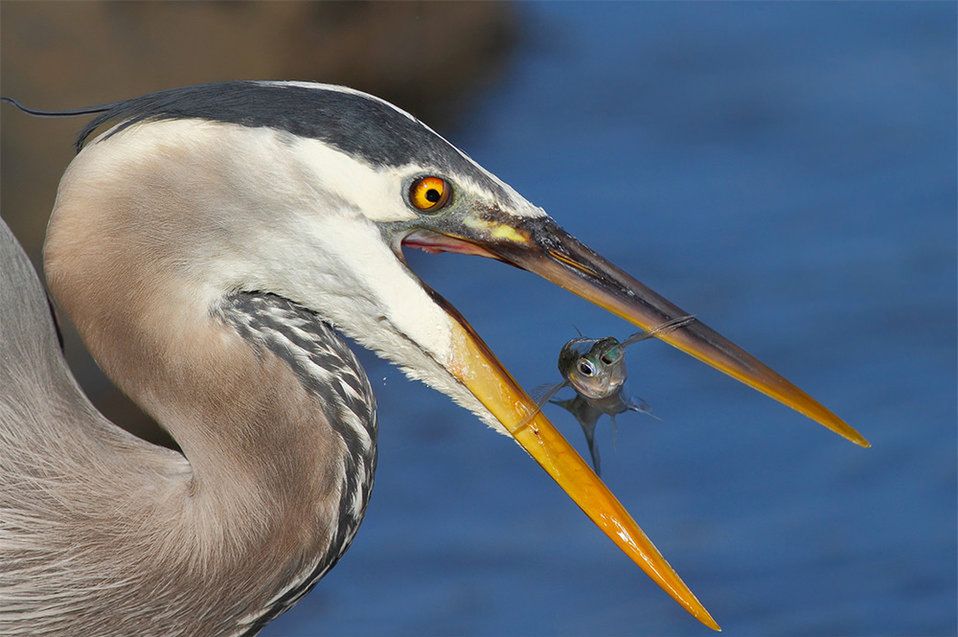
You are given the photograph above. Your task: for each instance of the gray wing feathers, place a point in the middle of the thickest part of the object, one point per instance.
(26, 327)
(59, 460)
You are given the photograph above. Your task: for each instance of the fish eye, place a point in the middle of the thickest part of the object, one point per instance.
(429, 194)
(585, 367)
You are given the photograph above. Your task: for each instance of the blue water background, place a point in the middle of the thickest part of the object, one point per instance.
(787, 173)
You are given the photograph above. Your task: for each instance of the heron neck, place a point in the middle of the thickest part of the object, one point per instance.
(269, 406)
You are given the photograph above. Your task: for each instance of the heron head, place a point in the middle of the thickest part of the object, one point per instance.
(311, 191)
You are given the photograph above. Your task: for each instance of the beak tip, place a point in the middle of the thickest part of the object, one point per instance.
(687, 599)
(707, 620)
(846, 431)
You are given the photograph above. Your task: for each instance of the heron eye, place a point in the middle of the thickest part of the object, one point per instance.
(429, 194)
(586, 368)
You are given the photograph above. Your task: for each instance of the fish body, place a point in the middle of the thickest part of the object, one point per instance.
(595, 369)
(588, 412)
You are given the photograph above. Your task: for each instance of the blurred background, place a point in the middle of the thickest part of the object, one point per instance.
(787, 172)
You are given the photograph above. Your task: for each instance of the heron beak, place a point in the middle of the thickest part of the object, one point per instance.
(539, 245)
(554, 254)
(478, 369)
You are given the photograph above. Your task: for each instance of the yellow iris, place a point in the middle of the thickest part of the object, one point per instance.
(429, 193)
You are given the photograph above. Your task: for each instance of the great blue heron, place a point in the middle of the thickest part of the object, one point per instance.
(208, 247)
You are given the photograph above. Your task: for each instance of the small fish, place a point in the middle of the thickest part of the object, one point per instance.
(595, 369)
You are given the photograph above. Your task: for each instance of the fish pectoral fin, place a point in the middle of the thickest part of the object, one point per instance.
(642, 407)
(594, 452)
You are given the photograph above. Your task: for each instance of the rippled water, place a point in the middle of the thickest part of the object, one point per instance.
(787, 173)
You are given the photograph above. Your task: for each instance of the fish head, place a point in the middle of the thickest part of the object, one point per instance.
(595, 368)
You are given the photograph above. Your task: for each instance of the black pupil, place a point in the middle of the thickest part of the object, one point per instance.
(433, 195)
(585, 369)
